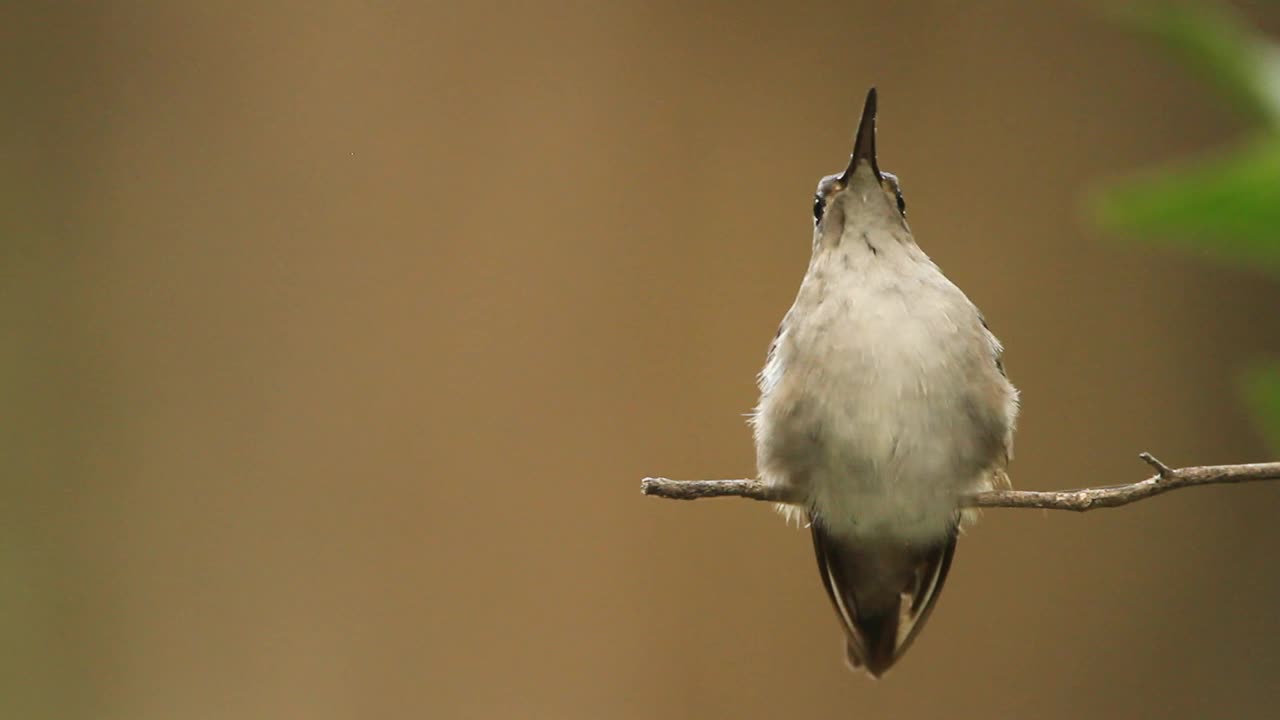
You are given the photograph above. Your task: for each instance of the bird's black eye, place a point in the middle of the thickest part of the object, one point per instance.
(817, 208)
(889, 181)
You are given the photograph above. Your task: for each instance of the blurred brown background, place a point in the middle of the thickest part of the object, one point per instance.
(337, 337)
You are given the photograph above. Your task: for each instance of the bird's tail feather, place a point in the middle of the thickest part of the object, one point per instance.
(882, 590)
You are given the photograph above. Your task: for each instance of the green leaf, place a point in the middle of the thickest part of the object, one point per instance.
(1228, 208)
(1263, 388)
(1212, 42)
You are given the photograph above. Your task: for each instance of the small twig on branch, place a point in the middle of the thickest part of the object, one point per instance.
(1162, 470)
(1165, 479)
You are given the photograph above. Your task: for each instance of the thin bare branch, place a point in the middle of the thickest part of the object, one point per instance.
(698, 489)
(1080, 500)
(1162, 470)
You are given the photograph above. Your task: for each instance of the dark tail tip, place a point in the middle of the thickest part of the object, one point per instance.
(881, 635)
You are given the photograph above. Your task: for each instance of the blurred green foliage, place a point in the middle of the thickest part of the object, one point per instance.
(1225, 207)
(1263, 388)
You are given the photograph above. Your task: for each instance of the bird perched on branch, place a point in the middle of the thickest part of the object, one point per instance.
(883, 400)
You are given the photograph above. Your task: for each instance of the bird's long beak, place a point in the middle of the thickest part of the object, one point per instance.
(864, 147)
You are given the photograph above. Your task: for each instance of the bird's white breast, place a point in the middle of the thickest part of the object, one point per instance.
(874, 403)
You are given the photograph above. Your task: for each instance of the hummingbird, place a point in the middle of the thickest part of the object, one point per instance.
(883, 401)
